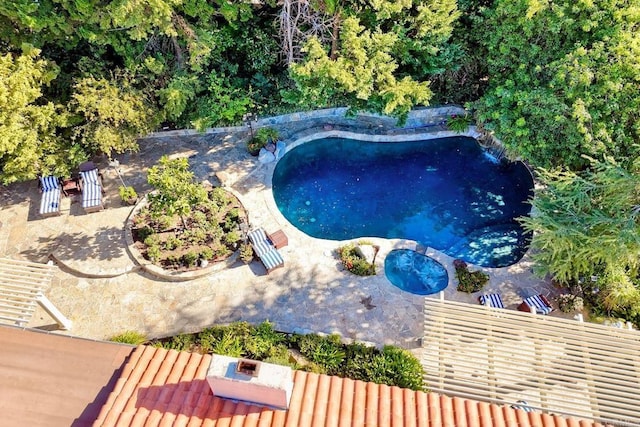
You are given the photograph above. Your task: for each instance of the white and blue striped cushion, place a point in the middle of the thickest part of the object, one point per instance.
(49, 183)
(537, 302)
(491, 300)
(91, 195)
(271, 259)
(91, 189)
(90, 176)
(50, 202)
(265, 250)
(259, 241)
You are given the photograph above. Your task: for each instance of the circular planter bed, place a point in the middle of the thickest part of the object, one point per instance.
(211, 233)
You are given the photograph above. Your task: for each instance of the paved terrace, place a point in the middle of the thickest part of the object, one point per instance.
(99, 287)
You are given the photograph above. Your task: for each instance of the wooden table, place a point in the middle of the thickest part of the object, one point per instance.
(279, 239)
(70, 186)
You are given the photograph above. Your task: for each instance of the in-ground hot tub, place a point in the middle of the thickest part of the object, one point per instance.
(414, 272)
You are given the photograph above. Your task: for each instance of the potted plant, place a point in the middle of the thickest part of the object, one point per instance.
(246, 253)
(262, 137)
(569, 303)
(128, 195)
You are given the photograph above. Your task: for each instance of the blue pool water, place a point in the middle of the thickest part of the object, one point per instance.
(414, 272)
(444, 193)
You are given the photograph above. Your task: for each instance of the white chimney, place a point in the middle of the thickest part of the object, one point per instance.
(250, 381)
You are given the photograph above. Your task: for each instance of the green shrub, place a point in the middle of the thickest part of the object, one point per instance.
(279, 355)
(152, 240)
(154, 253)
(164, 222)
(469, 281)
(263, 341)
(206, 253)
(129, 337)
(234, 215)
(232, 237)
(182, 342)
(221, 251)
(143, 233)
(325, 351)
(246, 253)
(190, 258)
(459, 123)
(195, 236)
(173, 260)
(172, 243)
(314, 368)
(353, 262)
(127, 194)
(199, 219)
(400, 368)
(220, 197)
(228, 344)
(261, 138)
(569, 303)
(326, 354)
(208, 337)
(358, 361)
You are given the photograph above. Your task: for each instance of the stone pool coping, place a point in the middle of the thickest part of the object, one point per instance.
(409, 137)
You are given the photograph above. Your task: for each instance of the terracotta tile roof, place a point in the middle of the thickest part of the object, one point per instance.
(165, 388)
(52, 380)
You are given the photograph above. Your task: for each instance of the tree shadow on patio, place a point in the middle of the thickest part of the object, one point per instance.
(105, 245)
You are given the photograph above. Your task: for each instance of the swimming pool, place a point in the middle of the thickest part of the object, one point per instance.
(445, 193)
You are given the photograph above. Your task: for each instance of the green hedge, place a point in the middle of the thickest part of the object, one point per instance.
(323, 354)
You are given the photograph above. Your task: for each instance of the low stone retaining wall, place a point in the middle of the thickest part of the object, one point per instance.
(417, 119)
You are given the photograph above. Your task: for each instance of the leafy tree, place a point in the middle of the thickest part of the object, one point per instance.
(378, 54)
(563, 80)
(176, 192)
(29, 144)
(462, 76)
(423, 29)
(589, 224)
(363, 73)
(114, 114)
(178, 94)
(222, 104)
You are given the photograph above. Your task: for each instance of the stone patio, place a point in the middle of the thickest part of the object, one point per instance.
(101, 289)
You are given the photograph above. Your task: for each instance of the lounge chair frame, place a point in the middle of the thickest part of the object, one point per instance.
(538, 302)
(51, 196)
(265, 250)
(491, 300)
(92, 190)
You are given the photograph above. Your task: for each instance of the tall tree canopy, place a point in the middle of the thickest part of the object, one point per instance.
(377, 55)
(564, 79)
(363, 74)
(587, 224)
(113, 114)
(28, 141)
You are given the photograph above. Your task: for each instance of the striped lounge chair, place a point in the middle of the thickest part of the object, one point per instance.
(491, 300)
(539, 303)
(51, 194)
(91, 191)
(263, 247)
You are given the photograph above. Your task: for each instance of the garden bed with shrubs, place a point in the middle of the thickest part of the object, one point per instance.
(469, 281)
(353, 259)
(312, 352)
(184, 225)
